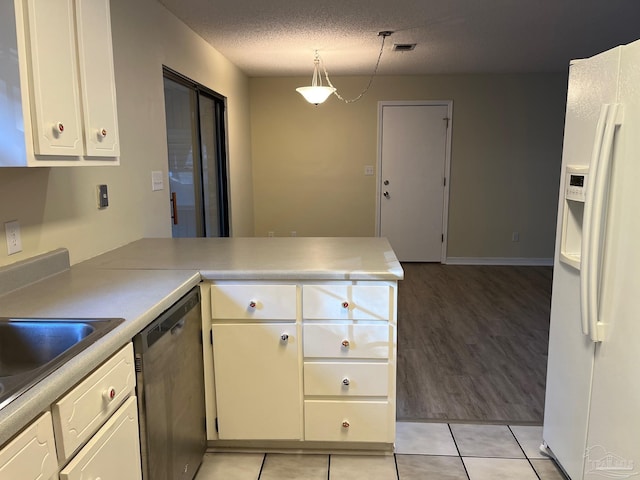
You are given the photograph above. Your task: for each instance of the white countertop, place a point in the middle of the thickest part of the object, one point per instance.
(138, 296)
(279, 258)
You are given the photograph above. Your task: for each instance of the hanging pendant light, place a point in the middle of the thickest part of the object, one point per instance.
(316, 93)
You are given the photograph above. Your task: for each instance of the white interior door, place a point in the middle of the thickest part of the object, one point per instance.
(414, 141)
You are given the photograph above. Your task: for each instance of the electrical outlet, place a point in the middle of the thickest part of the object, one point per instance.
(515, 237)
(14, 242)
(368, 170)
(103, 197)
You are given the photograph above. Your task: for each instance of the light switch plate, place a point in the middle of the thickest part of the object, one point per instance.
(14, 242)
(368, 170)
(157, 180)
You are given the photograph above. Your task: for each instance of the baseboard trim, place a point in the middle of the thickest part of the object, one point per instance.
(524, 262)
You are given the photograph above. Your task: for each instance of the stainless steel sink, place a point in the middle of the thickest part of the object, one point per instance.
(30, 349)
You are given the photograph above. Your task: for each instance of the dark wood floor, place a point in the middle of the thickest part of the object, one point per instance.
(472, 343)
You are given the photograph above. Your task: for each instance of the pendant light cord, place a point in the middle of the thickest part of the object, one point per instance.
(384, 35)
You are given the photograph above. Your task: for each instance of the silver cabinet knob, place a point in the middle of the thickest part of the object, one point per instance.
(345, 343)
(253, 304)
(386, 195)
(345, 382)
(284, 337)
(386, 182)
(102, 132)
(345, 424)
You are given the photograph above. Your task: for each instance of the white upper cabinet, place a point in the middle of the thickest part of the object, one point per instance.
(57, 129)
(96, 65)
(66, 90)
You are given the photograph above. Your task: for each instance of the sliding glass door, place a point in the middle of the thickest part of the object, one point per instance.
(196, 143)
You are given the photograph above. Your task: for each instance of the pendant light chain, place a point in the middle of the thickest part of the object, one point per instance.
(384, 35)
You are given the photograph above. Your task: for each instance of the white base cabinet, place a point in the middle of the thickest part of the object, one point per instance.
(257, 381)
(91, 431)
(113, 453)
(32, 454)
(307, 361)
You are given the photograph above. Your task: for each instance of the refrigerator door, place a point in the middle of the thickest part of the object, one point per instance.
(613, 448)
(592, 84)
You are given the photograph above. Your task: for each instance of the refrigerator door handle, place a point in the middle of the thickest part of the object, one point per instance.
(597, 227)
(588, 214)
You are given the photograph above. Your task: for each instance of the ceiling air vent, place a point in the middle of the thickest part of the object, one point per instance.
(404, 47)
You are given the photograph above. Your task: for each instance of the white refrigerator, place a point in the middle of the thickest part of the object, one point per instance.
(592, 406)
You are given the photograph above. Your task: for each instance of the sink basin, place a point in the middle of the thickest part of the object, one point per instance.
(30, 349)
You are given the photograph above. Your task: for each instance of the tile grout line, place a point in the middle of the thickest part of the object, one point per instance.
(264, 459)
(524, 453)
(395, 460)
(453, 437)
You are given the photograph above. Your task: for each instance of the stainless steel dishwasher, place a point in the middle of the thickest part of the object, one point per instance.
(170, 385)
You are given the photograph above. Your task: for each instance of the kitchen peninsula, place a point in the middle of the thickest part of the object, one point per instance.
(303, 332)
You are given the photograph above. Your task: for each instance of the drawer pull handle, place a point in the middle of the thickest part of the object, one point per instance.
(284, 337)
(345, 382)
(109, 394)
(345, 305)
(345, 424)
(253, 304)
(345, 343)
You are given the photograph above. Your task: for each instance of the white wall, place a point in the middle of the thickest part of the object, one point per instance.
(56, 207)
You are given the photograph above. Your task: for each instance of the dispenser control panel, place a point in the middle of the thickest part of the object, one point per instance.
(576, 183)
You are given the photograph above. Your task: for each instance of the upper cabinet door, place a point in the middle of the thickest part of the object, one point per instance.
(97, 79)
(54, 79)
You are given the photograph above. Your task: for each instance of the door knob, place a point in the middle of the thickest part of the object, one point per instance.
(386, 194)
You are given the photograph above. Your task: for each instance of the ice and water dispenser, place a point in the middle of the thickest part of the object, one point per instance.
(576, 179)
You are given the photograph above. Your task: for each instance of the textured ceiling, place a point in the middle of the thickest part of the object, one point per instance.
(278, 37)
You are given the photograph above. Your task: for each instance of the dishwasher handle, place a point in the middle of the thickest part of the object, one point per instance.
(177, 328)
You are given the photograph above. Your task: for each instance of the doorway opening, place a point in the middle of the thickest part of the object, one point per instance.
(197, 157)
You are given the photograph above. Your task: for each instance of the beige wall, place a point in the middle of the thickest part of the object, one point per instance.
(56, 207)
(507, 145)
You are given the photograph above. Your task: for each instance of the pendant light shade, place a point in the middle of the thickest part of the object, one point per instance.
(316, 93)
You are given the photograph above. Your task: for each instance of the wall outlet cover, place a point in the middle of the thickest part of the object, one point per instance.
(14, 242)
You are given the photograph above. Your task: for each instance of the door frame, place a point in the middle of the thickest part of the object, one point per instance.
(447, 163)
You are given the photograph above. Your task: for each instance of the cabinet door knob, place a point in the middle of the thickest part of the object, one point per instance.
(253, 304)
(284, 337)
(345, 424)
(345, 304)
(345, 382)
(102, 132)
(109, 394)
(345, 343)
(58, 128)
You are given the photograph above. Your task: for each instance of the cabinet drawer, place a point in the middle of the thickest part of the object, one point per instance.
(346, 379)
(32, 454)
(346, 341)
(253, 302)
(357, 302)
(347, 421)
(82, 411)
(113, 452)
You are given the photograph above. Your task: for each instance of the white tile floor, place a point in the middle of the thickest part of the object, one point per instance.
(423, 451)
